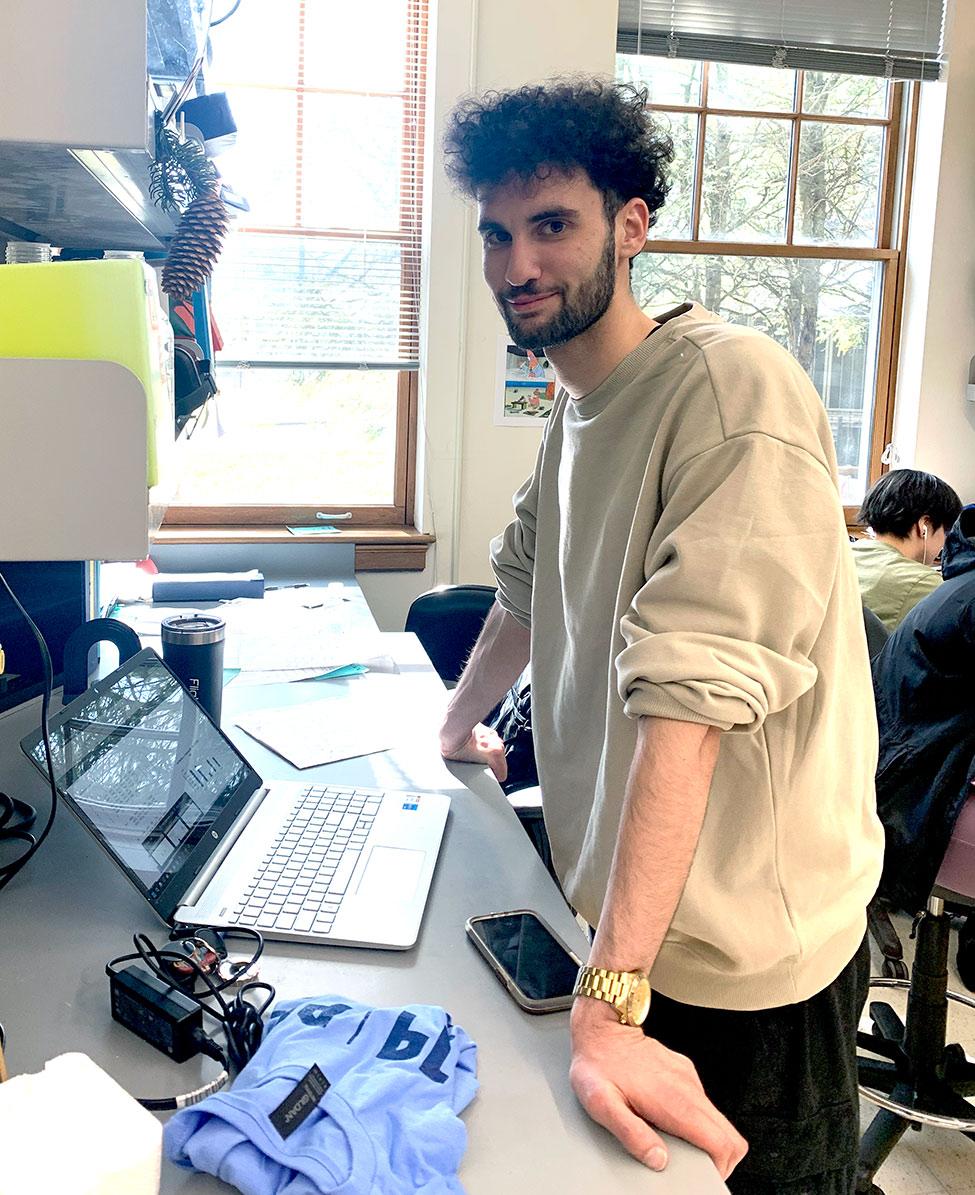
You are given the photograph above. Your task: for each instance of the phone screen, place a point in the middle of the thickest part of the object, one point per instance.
(537, 962)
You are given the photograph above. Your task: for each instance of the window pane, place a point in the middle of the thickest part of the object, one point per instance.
(838, 184)
(351, 169)
(261, 166)
(294, 298)
(254, 47)
(669, 80)
(825, 312)
(752, 88)
(295, 438)
(844, 95)
(746, 164)
(355, 47)
(674, 218)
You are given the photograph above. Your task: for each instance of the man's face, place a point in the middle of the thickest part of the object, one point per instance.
(550, 257)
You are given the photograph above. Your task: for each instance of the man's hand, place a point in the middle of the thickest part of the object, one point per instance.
(483, 745)
(628, 1082)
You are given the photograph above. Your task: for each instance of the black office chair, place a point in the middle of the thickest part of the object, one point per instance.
(908, 1068)
(447, 621)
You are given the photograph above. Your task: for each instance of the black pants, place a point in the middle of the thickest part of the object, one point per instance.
(785, 1078)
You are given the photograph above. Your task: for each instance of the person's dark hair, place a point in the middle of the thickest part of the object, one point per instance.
(902, 497)
(563, 125)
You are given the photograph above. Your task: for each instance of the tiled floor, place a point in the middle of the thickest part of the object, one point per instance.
(934, 1161)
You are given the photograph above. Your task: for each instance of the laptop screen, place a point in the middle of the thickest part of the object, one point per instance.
(147, 770)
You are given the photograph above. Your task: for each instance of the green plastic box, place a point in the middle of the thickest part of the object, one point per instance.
(95, 310)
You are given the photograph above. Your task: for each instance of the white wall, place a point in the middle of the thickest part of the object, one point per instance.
(473, 467)
(934, 423)
(389, 594)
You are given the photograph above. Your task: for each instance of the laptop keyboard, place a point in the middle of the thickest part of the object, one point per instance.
(300, 882)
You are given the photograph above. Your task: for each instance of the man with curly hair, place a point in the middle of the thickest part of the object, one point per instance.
(678, 573)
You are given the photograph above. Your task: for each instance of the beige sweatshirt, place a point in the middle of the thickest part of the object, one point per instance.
(680, 552)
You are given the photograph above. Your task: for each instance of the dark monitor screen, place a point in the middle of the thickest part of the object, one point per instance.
(148, 772)
(55, 595)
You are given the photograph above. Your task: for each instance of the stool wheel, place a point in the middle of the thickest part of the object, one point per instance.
(894, 968)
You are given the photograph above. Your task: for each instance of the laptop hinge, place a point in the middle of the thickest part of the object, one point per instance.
(192, 895)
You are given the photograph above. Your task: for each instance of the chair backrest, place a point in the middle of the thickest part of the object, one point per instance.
(447, 621)
(956, 877)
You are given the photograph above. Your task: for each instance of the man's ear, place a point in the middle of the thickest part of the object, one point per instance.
(633, 224)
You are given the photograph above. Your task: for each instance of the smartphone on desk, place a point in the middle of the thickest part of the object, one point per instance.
(528, 957)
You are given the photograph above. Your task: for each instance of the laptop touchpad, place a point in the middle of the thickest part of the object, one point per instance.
(392, 872)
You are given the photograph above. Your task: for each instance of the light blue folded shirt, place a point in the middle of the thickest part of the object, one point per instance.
(387, 1125)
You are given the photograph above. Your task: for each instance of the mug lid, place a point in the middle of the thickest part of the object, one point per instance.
(192, 629)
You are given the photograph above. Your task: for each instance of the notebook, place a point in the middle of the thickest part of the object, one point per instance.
(206, 841)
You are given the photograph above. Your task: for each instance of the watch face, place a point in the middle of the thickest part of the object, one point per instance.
(639, 1002)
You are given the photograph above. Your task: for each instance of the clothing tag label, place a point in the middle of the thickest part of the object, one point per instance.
(295, 1109)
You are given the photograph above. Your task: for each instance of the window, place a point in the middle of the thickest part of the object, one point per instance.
(781, 216)
(316, 294)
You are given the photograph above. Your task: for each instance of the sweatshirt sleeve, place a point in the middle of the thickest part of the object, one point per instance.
(513, 552)
(739, 572)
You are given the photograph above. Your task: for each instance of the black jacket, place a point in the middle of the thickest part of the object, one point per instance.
(924, 683)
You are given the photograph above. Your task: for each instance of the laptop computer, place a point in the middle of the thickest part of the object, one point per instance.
(203, 838)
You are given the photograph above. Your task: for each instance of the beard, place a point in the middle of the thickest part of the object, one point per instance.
(579, 311)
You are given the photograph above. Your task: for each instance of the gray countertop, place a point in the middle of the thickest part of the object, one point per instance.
(70, 911)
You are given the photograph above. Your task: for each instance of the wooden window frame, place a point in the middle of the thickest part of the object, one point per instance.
(398, 515)
(891, 241)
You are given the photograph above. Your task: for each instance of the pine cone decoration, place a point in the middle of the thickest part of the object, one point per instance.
(196, 245)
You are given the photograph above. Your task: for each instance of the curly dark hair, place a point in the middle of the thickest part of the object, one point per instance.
(567, 124)
(902, 497)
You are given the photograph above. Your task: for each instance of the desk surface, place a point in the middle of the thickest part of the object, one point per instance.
(70, 911)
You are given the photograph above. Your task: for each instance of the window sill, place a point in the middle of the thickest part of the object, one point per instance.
(377, 549)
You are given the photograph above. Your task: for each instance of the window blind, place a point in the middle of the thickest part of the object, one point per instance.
(323, 272)
(899, 39)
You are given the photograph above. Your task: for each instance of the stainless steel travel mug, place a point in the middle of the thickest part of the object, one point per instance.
(193, 648)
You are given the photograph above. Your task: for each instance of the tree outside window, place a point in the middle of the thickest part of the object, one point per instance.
(780, 217)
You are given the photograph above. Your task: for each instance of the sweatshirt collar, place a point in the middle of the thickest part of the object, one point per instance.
(673, 324)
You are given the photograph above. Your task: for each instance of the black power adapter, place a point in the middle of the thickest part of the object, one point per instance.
(156, 1011)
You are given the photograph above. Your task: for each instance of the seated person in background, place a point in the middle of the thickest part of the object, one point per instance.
(926, 713)
(908, 513)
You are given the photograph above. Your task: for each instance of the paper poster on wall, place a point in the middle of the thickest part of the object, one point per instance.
(525, 387)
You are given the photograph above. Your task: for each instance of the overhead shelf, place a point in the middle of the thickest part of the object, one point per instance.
(83, 199)
(77, 117)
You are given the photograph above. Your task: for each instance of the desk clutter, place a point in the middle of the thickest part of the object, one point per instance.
(335, 1096)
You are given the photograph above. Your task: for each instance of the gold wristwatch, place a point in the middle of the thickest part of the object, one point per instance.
(627, 991)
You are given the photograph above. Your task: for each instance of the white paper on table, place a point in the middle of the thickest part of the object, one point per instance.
(280, 676)
(319, 732)
(270, 652)
(284, 676)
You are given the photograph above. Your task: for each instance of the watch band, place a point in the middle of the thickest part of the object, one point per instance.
(601, 984)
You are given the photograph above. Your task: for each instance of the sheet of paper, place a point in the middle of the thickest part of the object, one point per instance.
(310, 647)
(289, 675)
(277, 676)
(319, 732)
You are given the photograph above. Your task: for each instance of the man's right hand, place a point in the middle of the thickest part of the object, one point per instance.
(482, 745)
